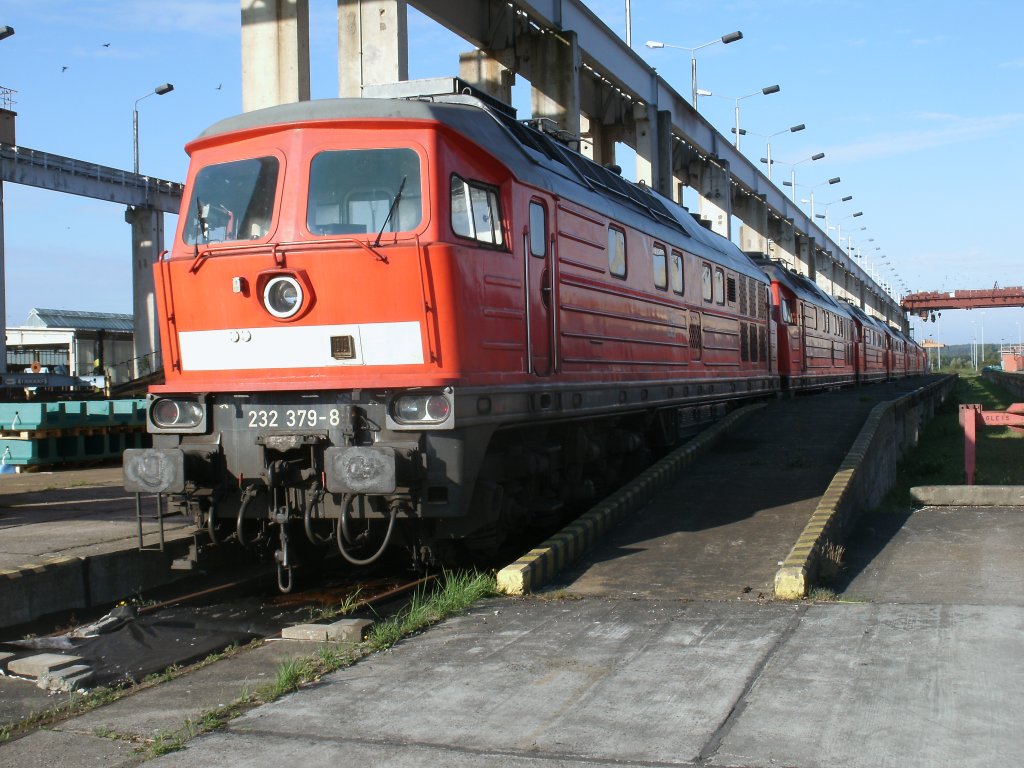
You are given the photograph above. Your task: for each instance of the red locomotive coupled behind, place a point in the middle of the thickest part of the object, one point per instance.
(422, 323)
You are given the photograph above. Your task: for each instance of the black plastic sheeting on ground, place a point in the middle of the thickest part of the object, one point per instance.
(127, 648)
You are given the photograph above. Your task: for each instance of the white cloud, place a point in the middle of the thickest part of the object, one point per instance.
(939, 130)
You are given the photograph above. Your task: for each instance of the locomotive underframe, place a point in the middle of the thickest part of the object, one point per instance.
(525, 456)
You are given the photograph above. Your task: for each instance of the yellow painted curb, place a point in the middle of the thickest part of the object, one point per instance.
(793, 581)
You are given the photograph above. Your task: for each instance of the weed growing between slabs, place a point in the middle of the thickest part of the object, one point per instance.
(459, 591)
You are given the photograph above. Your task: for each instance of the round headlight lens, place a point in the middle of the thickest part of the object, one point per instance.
(421, 409)
(283, 296)
(176, 414)
(165, 413)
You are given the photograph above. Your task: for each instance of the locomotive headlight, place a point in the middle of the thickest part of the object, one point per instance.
(427, 409)
(283, 296)
(177, 415)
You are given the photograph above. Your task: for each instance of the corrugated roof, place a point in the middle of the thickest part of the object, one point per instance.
(70, 318)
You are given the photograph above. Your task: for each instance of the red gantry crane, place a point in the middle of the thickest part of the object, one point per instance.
(925, 303)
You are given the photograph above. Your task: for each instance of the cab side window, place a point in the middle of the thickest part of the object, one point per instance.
(705, 282)
(538, 229)
(616, 252)
(677, 273)
(660, 267)
(476, 213)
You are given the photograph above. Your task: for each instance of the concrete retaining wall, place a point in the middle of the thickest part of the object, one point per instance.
(80, 583)
(864, 478)
(1014, 382)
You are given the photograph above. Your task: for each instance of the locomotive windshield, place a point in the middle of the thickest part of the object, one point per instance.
(351, 191)
(232, 201)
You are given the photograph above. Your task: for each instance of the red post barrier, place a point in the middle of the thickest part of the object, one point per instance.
(972, 416)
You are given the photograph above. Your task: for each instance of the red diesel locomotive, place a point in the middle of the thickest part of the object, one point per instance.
(425, 323)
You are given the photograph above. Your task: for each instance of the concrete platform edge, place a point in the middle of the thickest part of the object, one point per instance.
(540, 565)
(969, 495)
(865, 476)
(76, 583)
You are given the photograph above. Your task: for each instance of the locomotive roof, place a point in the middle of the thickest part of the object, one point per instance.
(869, 320)
(533, 156)
(802, 286)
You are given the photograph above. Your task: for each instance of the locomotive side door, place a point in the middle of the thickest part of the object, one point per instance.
(540, 281)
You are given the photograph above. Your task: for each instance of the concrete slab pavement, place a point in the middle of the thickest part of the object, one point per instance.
(652, 682)
(938, 556)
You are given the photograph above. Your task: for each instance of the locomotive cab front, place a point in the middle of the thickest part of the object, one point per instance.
(310, 349)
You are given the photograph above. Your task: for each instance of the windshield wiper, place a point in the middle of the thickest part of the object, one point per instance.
(391, 212)
(202, 231)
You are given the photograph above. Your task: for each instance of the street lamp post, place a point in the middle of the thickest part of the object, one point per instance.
(767, 92)
(792, 169)
(844, 199)
(732, 37)
(768, 141)
(160, 90)
(812, 187)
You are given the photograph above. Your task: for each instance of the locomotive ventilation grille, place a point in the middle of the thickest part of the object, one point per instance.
(695, 336)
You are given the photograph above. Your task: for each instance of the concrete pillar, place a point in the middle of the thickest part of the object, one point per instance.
(752, 210)
(275, 52)
(3, 289)
(805, 250)
(714, 186)
(489, 73)
(825, 273)
(598, 139)
(555, 74)
(147, 244)
(373, 44)
(782, 241)
(653, 144)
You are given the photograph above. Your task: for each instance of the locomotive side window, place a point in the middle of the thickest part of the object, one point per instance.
(677, 272)
(787, 312)
(660, 267)
(362, 191)
(616, 252)
(719, 286)
(476, 213)
(232, 201)
(705, 282)
(538, 229)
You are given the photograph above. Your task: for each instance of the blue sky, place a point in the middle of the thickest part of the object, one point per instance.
(916, 104)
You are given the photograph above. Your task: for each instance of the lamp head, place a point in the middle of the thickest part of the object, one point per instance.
(654, 44)
(770, 90)
(160, 90)
(732, 37)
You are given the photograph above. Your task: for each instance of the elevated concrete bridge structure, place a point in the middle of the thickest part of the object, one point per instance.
(585, 80)
(146, 198)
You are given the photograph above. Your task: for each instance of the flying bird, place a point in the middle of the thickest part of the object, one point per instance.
(64, 68)
(106, 45)
(218, 87)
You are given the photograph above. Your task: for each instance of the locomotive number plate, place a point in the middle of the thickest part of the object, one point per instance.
(291, 418)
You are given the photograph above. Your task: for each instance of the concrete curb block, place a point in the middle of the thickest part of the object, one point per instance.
(541, 564)
(75, 583)
(889, 429)
(969, 495)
